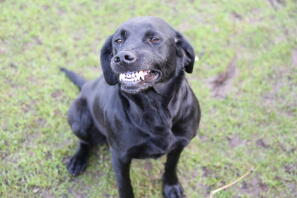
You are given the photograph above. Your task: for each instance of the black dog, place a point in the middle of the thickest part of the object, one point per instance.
(143, 106)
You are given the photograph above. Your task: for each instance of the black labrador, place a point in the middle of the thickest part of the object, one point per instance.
(143, 106)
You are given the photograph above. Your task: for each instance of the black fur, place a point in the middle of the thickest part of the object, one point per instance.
(187, 52)
(105, 57)
(76, 79)
(143, 121)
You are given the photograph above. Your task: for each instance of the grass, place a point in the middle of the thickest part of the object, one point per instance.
(254, 125)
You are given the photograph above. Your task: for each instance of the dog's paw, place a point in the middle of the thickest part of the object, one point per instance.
(76, 165)
(173, 191)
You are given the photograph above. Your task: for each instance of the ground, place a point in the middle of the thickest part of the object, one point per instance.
(245, 77)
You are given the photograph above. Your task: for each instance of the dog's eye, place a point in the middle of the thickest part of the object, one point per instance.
(154, 39)
(118, 41)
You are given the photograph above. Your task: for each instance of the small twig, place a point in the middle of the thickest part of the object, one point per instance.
(212, 193)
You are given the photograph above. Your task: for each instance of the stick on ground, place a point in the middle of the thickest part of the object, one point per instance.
(212, 193)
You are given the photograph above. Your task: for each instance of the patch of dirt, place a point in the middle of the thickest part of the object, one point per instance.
(57, 94)
(236, 16)
(206, 172)
(40, 122)
(28, 107)
(203, 138)
(221, 84)
(262, 143)
(13, 66)
(46, 194)
(235, 141)
(291, 169)
(287, 148)
(276, 4)
(254, 187)
(292, 186)
(204, 189)
(77, 193)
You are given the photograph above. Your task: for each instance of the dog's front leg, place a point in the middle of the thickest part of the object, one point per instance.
(121, 166)
(171, 185)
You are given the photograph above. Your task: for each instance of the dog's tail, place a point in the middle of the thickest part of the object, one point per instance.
(79, 81)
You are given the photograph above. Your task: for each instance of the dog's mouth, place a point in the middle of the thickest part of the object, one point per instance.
(133, 82)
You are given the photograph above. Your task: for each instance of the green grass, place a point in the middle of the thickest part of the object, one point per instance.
(255, 125)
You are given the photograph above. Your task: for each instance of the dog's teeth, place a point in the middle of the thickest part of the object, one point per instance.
(141, 75)
(133, 76)
(120, 77)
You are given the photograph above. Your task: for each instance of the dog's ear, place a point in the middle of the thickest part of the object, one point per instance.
(186, 52)
(105, 58)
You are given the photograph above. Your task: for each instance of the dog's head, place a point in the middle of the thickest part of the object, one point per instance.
(145, 51)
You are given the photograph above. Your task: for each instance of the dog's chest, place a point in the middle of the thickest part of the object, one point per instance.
(143, 138)
(150, 135)
(152, 147)
(140, 127)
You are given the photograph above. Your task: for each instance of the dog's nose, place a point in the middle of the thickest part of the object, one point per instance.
(125, 57)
